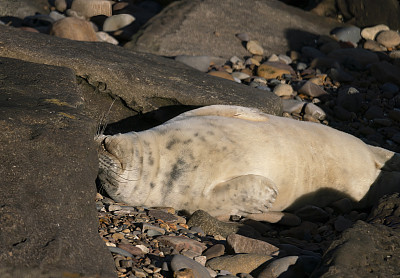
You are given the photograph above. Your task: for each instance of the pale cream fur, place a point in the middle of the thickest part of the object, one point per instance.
(236, 160)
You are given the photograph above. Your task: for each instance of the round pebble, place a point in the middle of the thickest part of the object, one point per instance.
(116, 22)
(388, 38)
(254, 47)
(283, 90)
(370, 33)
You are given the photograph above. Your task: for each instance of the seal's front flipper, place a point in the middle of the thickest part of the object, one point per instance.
(229, 111)
(241, 195)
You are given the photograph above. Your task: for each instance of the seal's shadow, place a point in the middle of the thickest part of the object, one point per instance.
(148, 120)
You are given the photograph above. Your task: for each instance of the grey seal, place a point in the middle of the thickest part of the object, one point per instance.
(235, 160)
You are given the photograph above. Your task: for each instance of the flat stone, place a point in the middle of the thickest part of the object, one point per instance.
(116, 22)
(222, 74)
(135, 251)
(373, 46)
(370, 33)
(242, 244)
(180, 262)
(105, 37)
(212, 226)
(241, 263)
(214, 251)
(278, 267)
(74, 29)
(89, 8)
(347, 34)
(312, 90)
(254, 47)
(270, 70)
(290, 29)
(180, 243)
(283, 90)
(156, 81)
(388, 38)
(292, 105)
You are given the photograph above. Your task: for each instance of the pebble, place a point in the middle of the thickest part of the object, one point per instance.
(105, 37)
(271, 70)
(347, 34)
(370, 33)
(278, 267)
(222, 74)
(120, 251)
(254, 47)
(240, 263)
(373, 46)
(89, 8)
(242, 244)
(56, 15)
(312, 90)
(179, 262)
(74, 29)
(61, 5)
(283, 90)
(240, 75)
(388, 38)
(386, 72)
(214, 251)
(183, 243)
(244, 37)
(116, 22)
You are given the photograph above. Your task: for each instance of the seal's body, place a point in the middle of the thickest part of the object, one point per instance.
(235, 160)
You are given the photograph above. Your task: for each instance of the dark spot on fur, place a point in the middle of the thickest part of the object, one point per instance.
(187, 141)
(152, 185)
(210, 132)
(151, 159)
(171, 143)
(196, 134)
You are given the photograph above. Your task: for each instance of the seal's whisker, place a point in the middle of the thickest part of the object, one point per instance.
(103, 121)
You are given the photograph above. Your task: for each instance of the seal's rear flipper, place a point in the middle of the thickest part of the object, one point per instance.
(386, 160)
(241, 195)
(229, 111)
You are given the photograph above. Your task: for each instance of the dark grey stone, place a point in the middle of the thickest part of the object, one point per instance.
(365, 250)
(143, 81)
(23, 8)
(195, 27)
(48, 218)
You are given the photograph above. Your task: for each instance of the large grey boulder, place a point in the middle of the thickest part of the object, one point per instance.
(144, 81)
(365, 13)
(48, 219)
(23, 8)
(367, 249)
(207, 27)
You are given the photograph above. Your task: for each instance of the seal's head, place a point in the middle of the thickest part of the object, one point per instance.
(117, 164)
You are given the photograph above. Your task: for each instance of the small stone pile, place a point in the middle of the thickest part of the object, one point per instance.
(91, 20)
(156, 242)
